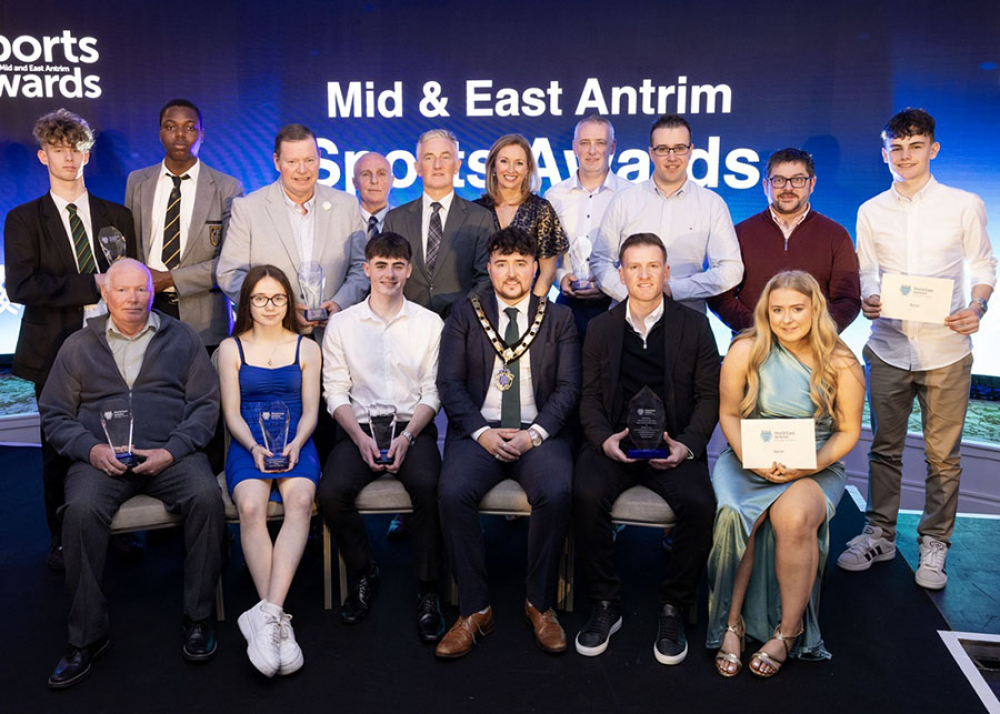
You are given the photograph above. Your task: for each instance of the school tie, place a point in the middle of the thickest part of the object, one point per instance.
(434, 235)
(171, 253)
(81, 244)
(510, 401)
(372, 227)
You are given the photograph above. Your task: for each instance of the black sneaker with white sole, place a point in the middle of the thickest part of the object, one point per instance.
(605, 620)
(671, 645)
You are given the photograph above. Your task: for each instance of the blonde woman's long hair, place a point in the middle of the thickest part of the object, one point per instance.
(530, 182)
(823, 341)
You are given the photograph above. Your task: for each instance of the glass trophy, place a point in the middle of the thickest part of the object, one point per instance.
(274, 422)
(579, 258)
(382, 419)
(646, 420)
(116, 420)
(112, 243)
(311, 281)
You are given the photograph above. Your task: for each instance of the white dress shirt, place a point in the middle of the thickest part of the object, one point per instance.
(161, 197)
(580, 211)
(938, 233)
(425, 215)
(303, 222)
(647, 323)
(367, 360)
(491, 405)
(82, 203)
(694, 225)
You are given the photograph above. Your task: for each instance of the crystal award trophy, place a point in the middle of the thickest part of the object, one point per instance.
(311, 281)
(274, 421)
(579, 258)
(112, 243)
(116, 420)
(646, 420)
(382, 419)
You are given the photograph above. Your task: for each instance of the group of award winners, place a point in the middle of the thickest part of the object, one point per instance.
(357, 322)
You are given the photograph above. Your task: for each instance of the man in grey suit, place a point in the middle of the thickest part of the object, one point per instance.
(448, 234)
(295, 220)
(181, 209)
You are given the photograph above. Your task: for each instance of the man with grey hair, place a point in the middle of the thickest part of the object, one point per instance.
(580, 202)
(154, 371)
(447, 233)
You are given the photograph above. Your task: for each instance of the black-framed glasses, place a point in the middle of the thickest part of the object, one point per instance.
(678, 150)
(260, 300)
(796, 181)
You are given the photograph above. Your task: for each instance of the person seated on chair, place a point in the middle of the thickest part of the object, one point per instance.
(382, 355)
(789, 365)
(154, 371)
(647, 341)
(267, 361)
(507, 401)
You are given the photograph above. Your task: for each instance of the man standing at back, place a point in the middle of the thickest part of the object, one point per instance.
(373, 180)
(447, 233)
(55, 268)
(181, 210)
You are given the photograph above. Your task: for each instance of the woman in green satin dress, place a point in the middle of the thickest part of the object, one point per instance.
(771, 536)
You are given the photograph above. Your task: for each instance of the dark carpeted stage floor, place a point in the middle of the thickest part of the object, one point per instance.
(880, 627)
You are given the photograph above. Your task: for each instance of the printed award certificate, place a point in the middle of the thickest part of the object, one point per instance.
(911, 297)
(790, 442)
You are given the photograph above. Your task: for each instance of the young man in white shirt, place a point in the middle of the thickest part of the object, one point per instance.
(918, 227)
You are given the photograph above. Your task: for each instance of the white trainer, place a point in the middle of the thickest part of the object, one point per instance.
(289, 653)
(262, 631)
(931, 573)
(865, 549)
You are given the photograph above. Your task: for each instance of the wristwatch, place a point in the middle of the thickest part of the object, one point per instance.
(409, 437)
(536, 438)
(983, 304)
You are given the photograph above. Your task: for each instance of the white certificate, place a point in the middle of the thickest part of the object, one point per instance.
(790, 442)
(911, 297)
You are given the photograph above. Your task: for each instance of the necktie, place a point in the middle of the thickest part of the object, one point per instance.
(372, 227)
(81, 244)
(434, 235)
(510, 401)
(171, 253)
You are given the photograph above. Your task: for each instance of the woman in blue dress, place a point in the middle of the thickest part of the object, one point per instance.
(267, 360)
(771, 537)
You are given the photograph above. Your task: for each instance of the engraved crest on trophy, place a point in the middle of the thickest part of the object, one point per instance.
(579, 258)
(117, 422)
(312, 282)
(646, 420)
(382, 420)
(112, 243)
(274, 423)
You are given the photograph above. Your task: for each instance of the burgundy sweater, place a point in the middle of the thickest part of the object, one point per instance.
(818, 245)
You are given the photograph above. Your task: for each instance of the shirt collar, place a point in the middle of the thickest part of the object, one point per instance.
(191, 172)
(366, 312)
(379, 214)
(61, 203)
(651, 186)
(522, 305)
(919, 195)
(651, 319)
(445, 202)
(608, 183)
(781, 221)
(152, 323)
(293, 206)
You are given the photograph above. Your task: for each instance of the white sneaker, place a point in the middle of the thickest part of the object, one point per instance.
(289, 652)
(865, 549)
(262, 631)
(931, 573)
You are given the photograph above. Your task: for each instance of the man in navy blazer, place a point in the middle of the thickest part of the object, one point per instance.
(508, 383)
(44, 272)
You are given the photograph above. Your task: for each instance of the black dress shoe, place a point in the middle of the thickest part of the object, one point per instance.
(75, 664)
(55, 557)
(200, 644)
(360, 596)
(430, 621)
(399, 527)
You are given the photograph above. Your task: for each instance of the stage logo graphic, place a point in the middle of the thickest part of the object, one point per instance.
(48, 67)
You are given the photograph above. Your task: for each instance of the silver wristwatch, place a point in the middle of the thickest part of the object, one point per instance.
(983, 304)
(409, 437)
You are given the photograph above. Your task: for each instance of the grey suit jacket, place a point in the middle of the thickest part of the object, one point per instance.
(461, 263)
(260, 233)
(201, 304)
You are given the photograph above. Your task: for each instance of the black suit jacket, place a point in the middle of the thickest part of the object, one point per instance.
(42, 276)
(691, 371)
(465, 366)
(461, 263)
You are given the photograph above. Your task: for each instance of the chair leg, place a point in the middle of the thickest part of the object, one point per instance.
(328, 570)
(220, 603)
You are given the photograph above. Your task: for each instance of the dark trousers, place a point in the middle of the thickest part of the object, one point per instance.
(598, 481)
(468, 473)
(584, 310)
(187, 487)
(54, 468)
(346, 473)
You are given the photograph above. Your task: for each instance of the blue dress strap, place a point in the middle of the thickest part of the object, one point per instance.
(239, 346)
(297, 346)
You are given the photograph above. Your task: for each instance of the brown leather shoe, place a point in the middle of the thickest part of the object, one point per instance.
(549, 634)
(463, 634)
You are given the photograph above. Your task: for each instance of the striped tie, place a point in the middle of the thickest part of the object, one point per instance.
(372, 227)
(171, 253)
(434, 235)
(81, 243)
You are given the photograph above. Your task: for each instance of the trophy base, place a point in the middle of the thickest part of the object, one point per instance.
(581, 284)
(383, 457)
(317, 314)
(275, 463)
(127, 459)
(647, 453)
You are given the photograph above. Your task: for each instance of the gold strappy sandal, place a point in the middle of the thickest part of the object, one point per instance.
(761, 656)
(723, 657)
